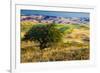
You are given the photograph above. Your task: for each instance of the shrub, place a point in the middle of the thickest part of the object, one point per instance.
(45, 35)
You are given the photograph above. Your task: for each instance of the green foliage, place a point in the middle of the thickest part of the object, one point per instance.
(45, 35)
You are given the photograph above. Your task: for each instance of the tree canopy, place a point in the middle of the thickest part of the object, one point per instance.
(45, 35)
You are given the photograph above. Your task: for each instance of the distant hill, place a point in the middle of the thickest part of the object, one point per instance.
(58, 20)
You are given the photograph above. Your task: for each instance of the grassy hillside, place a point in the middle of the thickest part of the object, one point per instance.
(75, 45)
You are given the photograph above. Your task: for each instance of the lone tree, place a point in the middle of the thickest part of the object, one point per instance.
(45, 35)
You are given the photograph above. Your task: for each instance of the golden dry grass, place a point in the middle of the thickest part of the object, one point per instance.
(76, 46)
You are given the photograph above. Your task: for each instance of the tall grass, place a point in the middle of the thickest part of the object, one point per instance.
(75, 45)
